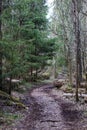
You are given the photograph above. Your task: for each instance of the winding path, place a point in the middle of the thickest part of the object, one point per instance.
(50, 111)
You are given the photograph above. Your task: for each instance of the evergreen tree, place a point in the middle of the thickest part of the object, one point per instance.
(26, 46)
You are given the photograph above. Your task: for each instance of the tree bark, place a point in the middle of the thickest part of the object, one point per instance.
(70, 67)
(78, 46)
(10, 86)
(0, 45)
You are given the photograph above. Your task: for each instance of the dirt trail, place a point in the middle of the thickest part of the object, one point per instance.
(49, 111)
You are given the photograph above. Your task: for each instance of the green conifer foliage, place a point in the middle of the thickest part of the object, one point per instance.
(26, 46)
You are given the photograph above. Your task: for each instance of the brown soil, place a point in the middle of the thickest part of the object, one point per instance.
(49, 110)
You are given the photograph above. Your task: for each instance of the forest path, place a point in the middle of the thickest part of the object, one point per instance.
(50, 111)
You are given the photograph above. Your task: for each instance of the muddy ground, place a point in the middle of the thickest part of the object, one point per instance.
(48, 109)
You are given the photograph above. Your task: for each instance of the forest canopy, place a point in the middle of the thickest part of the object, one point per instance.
(24, 44)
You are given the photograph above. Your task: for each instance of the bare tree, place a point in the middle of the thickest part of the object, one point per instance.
(78, 46)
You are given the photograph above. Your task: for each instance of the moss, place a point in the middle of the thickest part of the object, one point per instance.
(45, 75)
(12, 100)
(7, 118)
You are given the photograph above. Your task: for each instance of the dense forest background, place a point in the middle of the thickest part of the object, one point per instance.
(68, 25)
(30, 44)
(36, 48)
(25, 48)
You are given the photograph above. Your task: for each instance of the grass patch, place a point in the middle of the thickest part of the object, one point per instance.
(28, 85)
(8, 118)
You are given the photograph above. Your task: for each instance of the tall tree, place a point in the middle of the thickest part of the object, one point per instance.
(27, 47)
(78, 46)
(0, 44)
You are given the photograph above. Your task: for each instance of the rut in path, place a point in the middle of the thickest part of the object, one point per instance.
(50, 112)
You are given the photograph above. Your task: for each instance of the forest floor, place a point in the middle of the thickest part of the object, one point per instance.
(48, 109)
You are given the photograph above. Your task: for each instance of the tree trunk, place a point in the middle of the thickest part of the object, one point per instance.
(69, 67)
(36, 73)
(31, 70)
(0, 45)
(84, 52)
(86, 82)
(10, 85)
(78, 46)
(83, 61)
